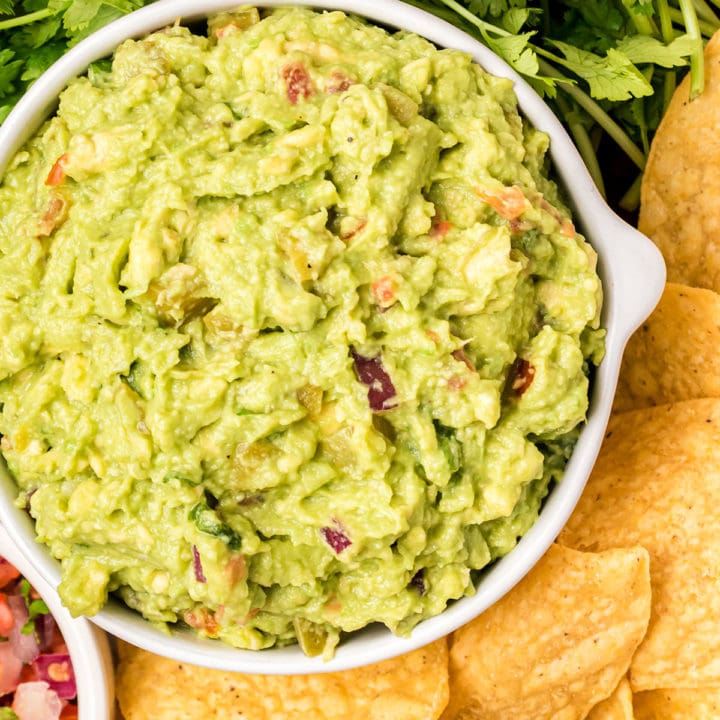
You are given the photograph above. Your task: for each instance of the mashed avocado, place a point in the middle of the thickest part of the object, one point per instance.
(296, 332)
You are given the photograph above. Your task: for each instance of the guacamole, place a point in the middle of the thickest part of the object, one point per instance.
(296, 330)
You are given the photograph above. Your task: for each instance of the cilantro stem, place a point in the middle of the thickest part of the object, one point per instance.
(598, 114)
(705, 27)
(481, 25)
(643, 24)
(667, 33)
(666, 28)
(26, 19)
(631, 199)
(705, 12)
(584, 144)
(697, 65)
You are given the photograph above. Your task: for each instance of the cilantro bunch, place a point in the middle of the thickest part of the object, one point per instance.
(607, 67)
(35, 33)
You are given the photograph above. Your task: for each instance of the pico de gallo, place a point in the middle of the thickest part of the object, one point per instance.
(36, 674)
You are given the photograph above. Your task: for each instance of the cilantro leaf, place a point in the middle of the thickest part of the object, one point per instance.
(612, 77)
(40, 60)
(9, 70)
(79, 15)
(640, 49)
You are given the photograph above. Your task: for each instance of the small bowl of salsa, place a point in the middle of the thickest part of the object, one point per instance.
(52, 666)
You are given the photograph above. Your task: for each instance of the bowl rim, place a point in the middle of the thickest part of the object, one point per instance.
(87, 644)
(633, 277)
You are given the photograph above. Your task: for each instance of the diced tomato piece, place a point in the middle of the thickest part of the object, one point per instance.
(8, 573)
(10, 668)
(567, 229)
(457, 382)
(298, 82)
(202, 619)
(54, 216)
(6, 617)
(384, 290)
(69, 712)
(56, 176)
(440, 228)
(338, 82)
(510, 202)
(226, 29)
(236, 569)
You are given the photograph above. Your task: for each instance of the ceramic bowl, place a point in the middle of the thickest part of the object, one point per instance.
(87, 644)
(630, 266)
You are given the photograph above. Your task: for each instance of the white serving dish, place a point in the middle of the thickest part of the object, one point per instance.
(87, 644)
(630, 266)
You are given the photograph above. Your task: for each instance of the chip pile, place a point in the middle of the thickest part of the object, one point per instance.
(621, 618)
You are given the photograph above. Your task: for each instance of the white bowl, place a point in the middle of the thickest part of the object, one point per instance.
(630, 266)
(88, 646)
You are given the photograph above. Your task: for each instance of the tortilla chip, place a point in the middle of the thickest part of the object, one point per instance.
(674, 355)
(557, 644)
(619, 706)
(657, 484)
(681, 184)
(413, 687)
(675, 704)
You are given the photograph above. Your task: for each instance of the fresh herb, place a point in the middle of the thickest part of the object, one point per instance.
(608, 68)
(35, 608)
(35, 33)
(207, 521)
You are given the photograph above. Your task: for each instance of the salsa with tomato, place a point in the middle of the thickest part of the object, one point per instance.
(36, 674)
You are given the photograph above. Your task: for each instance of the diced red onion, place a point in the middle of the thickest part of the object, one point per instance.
(381, 391)
(335, 537)
(47, 631)
(24, 645)
(36, 701)
(522, 374)
(57, 671)
(197, 565)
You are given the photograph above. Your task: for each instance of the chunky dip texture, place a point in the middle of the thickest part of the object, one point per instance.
(296, 331)
(37, 681)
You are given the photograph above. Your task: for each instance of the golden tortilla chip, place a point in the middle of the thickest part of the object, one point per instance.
(557, 644)
(412, 687)
(676, 704)
(657, 484)
(675, 354)
(681, 184)
(619, 706)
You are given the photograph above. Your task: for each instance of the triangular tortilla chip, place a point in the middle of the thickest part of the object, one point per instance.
(555, 645)
(681, 183)
(412, 687)
(674, 354)
(657, 484)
